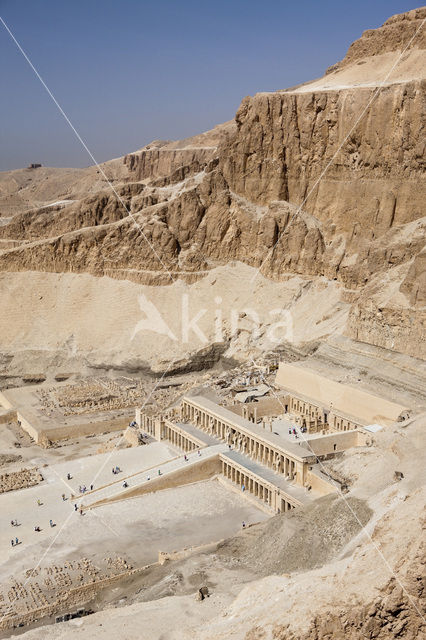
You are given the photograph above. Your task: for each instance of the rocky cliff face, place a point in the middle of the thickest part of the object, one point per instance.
(323, 180)
(177, 159)
(402, 32)
(307, 148)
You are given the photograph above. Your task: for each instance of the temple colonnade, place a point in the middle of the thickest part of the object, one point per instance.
(260, 488)
(244, 439)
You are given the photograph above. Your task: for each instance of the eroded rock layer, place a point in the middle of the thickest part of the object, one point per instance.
(324, 180)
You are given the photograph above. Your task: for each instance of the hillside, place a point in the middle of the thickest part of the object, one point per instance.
(188, 274)
(324, 182)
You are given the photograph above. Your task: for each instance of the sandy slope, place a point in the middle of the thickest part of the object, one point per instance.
(385, 69)
(48, 318)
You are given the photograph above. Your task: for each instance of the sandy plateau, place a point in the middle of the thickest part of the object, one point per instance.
(213, 375)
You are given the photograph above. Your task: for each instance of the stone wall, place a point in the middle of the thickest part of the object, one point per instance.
(335, 442)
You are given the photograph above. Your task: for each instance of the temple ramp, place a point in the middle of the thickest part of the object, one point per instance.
(175, 473)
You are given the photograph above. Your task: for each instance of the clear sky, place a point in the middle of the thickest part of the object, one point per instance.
(130, 71)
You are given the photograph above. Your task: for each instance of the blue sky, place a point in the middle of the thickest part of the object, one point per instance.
(127, 72)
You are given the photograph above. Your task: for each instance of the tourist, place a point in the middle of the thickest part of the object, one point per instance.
(185, 458)
(12, 523)
(125, 485)
(91, 487)
(114, 471)
(37, 528)
(16, 541)
(51, 523)
(63, 497)
(149, 478)
(39, 503)
(243, 488)
(75, 507)
(12, 543)
(69, 476)
(244, 525)
(199, 452)
(159, 472)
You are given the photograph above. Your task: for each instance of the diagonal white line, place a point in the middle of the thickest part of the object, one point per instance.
(106, 524)
(45, 553)
(121, 438)
(140, 230)
(168, 272)
(71, 490)
(95, 162)
(357, 121)
(72, 512)
(342, 495)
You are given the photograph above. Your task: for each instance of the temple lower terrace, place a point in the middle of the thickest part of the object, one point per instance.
(241, 449)
(142, 529)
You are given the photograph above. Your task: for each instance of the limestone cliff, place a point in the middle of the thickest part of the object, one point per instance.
(326, 179)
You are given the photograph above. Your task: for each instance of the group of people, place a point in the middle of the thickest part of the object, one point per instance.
(185, 457)
(14, 523)
(292, 431)
(116, 470)
(83, 488)
(13, 542)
